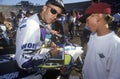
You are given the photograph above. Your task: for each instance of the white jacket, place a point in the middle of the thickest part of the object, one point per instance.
(28, 40)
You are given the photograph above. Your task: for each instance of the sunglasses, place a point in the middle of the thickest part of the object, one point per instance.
(53, 11)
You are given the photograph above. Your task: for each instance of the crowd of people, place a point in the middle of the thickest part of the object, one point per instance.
(102, 56)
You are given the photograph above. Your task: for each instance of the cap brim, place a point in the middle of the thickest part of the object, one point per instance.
(83, 18)
(63, 9)
(57, 4)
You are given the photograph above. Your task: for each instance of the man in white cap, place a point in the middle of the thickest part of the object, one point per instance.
(31, 35)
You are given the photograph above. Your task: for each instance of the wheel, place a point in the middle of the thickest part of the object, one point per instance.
(51, 74)
(64, 77)
(72, 75)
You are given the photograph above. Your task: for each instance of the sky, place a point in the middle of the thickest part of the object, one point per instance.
(36, 2)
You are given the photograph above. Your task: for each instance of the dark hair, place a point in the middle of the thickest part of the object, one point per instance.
(108, 18)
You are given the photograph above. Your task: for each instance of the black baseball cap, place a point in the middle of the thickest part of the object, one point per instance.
(58, 3)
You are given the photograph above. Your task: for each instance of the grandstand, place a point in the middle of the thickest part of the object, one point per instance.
(6, 9)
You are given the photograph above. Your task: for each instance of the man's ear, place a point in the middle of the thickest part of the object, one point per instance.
(44, 8)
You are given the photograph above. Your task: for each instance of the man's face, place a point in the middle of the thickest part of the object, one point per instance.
(92, 23)
(51, 13)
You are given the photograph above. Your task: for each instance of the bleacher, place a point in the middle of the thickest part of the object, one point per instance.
(6, 9)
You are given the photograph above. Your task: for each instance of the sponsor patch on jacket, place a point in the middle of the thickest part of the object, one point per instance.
(101, 55)
(28, 45)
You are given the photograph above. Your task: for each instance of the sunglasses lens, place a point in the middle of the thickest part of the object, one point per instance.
(53, 11)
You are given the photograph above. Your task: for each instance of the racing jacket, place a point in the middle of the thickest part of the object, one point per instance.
(29, 39)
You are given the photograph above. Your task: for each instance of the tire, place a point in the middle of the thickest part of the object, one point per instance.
(64, 77)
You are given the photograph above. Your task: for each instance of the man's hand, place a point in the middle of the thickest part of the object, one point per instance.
(53, 45)
(54, 51)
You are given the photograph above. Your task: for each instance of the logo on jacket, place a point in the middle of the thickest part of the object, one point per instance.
(28, 45)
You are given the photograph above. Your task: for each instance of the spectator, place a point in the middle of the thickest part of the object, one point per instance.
(116, 21)
(103, 48)
(27, 15)
(14, 20)
(71, 24)
(4, 39)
